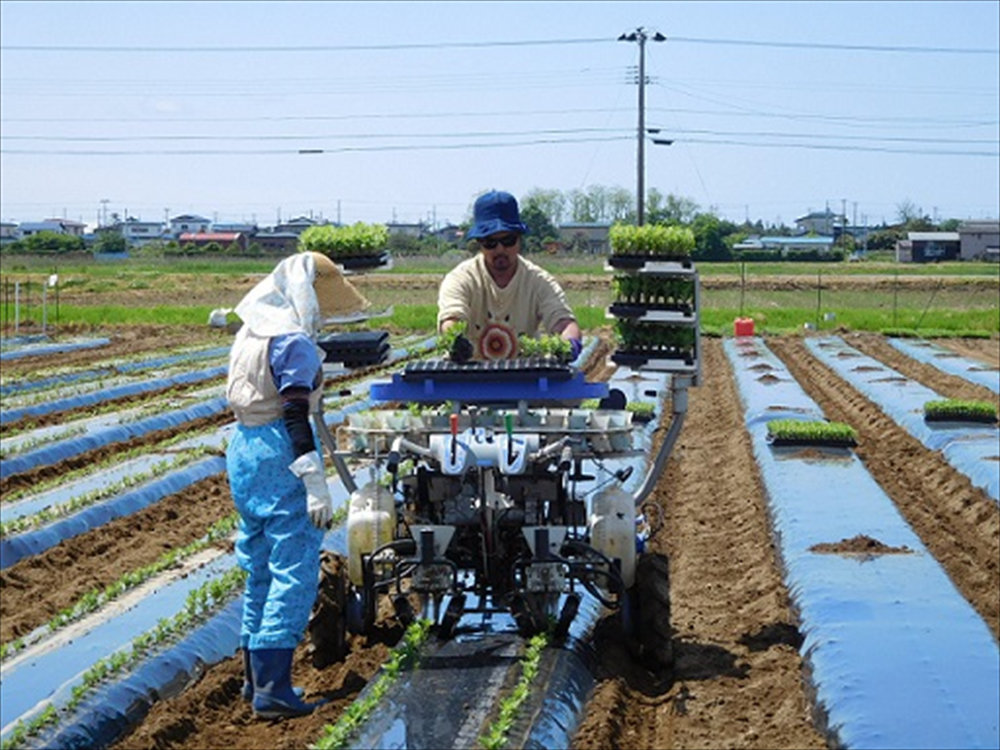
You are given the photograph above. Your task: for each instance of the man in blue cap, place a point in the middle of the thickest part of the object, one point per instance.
(499, 294)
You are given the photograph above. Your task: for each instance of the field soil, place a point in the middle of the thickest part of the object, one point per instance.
(225, 290)
(738, 680)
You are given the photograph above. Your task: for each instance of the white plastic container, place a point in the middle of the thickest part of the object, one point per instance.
(371, 522)
(612, 529)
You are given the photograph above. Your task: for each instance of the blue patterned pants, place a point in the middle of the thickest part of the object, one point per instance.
(276, 543)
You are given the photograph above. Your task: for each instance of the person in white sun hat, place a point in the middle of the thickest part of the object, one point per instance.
(274, 467)
(499, 294)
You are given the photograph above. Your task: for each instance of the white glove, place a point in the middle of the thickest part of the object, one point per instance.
(319, 504)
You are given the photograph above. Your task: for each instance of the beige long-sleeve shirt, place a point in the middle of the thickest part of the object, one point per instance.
(495, 317)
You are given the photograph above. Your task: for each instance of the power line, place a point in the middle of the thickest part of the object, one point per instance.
(824, 147)
(303, 137)
(309, 151)
(520, 114)
(839, 46)
(479, 134)
(827, 136)
(461, 146)
(299, 48)
(842, 47)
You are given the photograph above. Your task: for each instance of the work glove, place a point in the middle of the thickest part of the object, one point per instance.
(575, 347)
(461, 349)
(309, 468)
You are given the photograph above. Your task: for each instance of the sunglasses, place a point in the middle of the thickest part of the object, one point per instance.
(508, 241)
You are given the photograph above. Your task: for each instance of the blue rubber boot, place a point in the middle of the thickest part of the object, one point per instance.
(273, 697)
(246, 692)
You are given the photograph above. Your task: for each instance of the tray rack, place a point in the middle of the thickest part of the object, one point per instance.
(681, 360)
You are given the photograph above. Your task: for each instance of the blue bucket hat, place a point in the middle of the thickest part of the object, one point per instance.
(494, 212)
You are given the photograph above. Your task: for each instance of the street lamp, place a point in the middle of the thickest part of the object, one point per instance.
(640, 35)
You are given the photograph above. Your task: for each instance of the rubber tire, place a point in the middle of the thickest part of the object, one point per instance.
(652, 607)
(327, 628)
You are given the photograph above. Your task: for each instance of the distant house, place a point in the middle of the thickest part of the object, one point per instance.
(417, 231)
(8, 232)
(225, 239)
(450, 233)
(59, 226)
(784, 245)
(189, 223)
(925, 247)
(140, 233)
(297, 225)
(979, 240)
(585, 237)
(820, 222)
(280, 243)
(247, 228)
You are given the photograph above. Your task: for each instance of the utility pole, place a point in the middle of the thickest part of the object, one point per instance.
(640, 35)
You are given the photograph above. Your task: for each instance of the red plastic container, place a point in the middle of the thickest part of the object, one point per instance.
(743, 327)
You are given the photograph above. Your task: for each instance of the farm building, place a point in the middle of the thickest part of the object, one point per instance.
(820, 222)
(225, 239)
(586, 237)
(784, 245)
(926, 247)
(188, 223)
(979, 240)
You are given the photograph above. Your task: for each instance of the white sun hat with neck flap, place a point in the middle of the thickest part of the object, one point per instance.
(300, 293)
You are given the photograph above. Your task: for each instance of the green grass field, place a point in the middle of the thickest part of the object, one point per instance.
(972, 309)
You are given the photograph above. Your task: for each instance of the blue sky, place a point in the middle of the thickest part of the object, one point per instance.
(774, 108)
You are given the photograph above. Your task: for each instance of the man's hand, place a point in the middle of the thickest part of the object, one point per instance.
(575, 347)
(461, 349)
(319, 504)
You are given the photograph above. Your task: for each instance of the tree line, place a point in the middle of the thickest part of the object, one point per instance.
(543, 211)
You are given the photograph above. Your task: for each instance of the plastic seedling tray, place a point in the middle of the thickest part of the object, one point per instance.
(636, 260)
(630, 310)
(504, 369)
(362, 262)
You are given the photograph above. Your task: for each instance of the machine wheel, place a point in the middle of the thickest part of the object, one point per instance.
(327, 629)
(652, 610)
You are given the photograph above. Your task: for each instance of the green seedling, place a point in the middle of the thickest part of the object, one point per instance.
(496, 736)
(957, 410)
(797, 432)
(651, 239)
(196, 609)
(344, 242)
(404, 656)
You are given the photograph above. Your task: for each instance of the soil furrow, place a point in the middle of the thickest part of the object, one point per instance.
(36, 588)
(211, 713)
(956, 521)
(949, 386)
(738, 678)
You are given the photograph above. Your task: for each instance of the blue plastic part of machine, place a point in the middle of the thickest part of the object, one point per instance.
(486, 382)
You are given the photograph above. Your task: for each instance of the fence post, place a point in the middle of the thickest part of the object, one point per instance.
(895, 297)
(819, 295)
(743, 283)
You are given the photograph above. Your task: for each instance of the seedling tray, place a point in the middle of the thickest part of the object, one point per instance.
(811, 442)
(634, 358)
(960, 418)
(357, 349)
(635, 261)
(362, 262)
(503, 369)
(652, 313)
